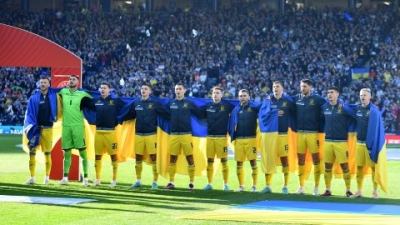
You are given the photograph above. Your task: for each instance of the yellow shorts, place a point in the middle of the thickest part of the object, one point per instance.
(181, 142)
(283, 145)
(217, 146)
(146, 143)
(307, 140)
(46, 140)
(362, 155)
(336, 151)
(105, 140)
(245, 148)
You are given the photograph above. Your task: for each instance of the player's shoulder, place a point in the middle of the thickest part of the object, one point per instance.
(315, 95)
(63, 90)
(287, 98)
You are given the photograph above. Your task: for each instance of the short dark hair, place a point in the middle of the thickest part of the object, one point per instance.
(180, 84)
(106, 83)
(148, 85)
(43, 77)
(333, 88)
(244, 90)
(74, 75)
(278, 82)
(307, 81)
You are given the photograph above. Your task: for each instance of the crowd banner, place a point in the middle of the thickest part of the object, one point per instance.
(359, 73)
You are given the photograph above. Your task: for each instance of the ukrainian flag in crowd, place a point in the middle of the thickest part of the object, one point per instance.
(359, 73)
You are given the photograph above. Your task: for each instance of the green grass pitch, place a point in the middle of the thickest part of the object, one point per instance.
(145, 206)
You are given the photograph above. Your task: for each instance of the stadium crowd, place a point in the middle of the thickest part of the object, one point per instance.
(235, 48)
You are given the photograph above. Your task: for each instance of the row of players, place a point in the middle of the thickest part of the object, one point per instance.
(308, 110)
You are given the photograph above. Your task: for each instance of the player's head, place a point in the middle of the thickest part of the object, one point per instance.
(44, 83)
(180, 90)
(277, 88)
(365, 96)
(146, 90)
(73, 81)
(305, 86)
(217, 94)
(244, 97)
(332, 94)
(105, 88)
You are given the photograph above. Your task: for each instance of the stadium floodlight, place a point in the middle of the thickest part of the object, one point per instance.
(128, 2)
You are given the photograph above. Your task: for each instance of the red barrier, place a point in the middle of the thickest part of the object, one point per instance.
(392, 139)
(57, 168)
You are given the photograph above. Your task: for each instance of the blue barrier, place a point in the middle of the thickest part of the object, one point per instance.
(11, 130)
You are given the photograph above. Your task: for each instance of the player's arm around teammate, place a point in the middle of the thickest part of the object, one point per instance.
(245, 139)
(181, 110)
(336, 124)
(217, 114)
(105, 138)
(73, 129)
(308, 119)
(146, 110)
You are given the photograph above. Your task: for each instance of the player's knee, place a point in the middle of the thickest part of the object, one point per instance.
(113, 157)
(189, 159)
(173, 159)
(328, 166)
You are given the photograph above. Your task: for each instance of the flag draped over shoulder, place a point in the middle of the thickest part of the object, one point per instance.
(269, 126)
(268, 123)
(31, 128)
(376, 145)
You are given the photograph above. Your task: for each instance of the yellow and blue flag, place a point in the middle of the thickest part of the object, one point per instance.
(359, 73)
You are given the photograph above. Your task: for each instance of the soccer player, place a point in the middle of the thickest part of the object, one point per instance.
(286, 108)
(40, 116)
(73, 129)
(335, 148)
(245, 138)
(106, 120)
(146, 111)
(363, 157)
(217, 114)
(308, 116)
(181, 110)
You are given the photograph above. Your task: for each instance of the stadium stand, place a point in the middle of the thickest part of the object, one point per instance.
(234, 48)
